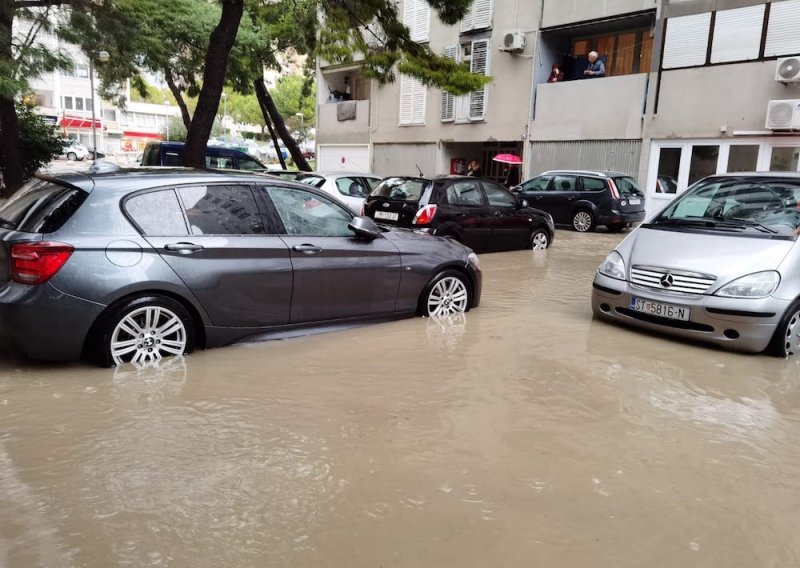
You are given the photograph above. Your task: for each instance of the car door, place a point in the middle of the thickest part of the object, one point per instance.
(464, 204)
(218, 244)
(510, 228)
(534, 191)
(336, 275)
(559, 201)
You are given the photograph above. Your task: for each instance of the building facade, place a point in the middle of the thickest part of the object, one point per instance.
(692, 88)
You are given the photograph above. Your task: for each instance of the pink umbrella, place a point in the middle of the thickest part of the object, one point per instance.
(507, 159)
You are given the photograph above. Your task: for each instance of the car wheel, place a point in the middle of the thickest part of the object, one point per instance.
(786, 340)
(583, 221)
(616, 227)
(540, 240)
(144, 330)
(447, 294)
(72, 156)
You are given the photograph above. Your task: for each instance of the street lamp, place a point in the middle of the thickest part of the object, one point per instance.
(166, 104)
(102, 57)
(225, 114)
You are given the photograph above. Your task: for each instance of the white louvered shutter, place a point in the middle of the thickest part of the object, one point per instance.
(406, 100)
(782, 34)
(686, 42)
(448, 100)
(482, 10)
(419, 100)
(480, 64)
(417, 18)
(468, 21)
(737, 34)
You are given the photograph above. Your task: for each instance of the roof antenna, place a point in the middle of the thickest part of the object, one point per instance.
(420, 171)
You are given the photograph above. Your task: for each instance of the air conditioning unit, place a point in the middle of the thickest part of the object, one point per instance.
(783, 115)
(513, 41)
(788, 70)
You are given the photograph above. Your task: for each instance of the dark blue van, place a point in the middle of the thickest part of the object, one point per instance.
(171, 154)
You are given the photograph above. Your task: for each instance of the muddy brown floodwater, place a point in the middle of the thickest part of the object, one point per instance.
(524, 434)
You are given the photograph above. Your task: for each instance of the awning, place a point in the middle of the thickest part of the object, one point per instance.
(79, 122)
(137, 134)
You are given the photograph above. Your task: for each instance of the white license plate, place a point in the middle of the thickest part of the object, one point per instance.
(669, 311)
(634, 201)
(389, 216)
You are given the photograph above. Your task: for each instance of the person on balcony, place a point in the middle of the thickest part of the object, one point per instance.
(556, 74)
(596, 67)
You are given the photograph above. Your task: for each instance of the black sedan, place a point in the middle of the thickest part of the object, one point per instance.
(480, 213)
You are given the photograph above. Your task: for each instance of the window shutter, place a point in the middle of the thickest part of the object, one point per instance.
(406, 100)
(420, 91)
(480, 64)
(482, 9)
(686, 42)
(467, 22)
(448, 100)
(417, 18)
(737, 34)
(782, 35)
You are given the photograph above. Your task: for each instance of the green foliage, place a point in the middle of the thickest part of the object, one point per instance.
(39, 142)
(177, 130)
(295, 94)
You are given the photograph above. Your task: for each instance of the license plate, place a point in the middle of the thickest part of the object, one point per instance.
(669, 311)
(634, 201)
(388, 215)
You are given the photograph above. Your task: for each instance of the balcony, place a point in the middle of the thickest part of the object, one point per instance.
(345, 122)
(590, 109)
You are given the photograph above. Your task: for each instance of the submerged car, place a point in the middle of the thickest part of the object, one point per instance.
(721, 263)
(480, 213)
(134, 265)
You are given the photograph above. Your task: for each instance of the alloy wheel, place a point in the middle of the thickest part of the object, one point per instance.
(792, 336)
(447, 297)
(582, 221)
(539, 241)
(146, 335)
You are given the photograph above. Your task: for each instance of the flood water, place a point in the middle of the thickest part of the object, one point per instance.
(524, 434)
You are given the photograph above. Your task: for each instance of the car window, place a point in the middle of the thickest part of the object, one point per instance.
(373, 182)
(401, 189)
(593, 184)
(498, 196)
(41, 207)
(249, 164)
(219, 162)
(221, 210)
(628, 187)
(306, 213)
(536, 184)
(565, 183)
(157, 213)
(352, 187)
(313, 181)
(466, 193)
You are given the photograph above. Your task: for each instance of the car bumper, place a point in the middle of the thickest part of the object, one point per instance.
(737, 324)
(43, 323)
(621, 217)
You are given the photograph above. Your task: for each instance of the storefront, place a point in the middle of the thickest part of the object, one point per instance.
(134, 141)
(80, 128)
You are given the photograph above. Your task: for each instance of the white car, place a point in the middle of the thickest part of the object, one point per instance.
(351, 188)
(74, 151)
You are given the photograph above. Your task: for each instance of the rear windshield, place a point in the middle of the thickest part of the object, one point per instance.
(41, 207)
(401, 189)
(627, 186)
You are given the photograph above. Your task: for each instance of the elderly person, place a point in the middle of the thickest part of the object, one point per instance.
(596, 67)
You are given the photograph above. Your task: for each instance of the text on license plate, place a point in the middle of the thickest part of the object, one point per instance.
(634, 201)
(661, 310)
(388, 215)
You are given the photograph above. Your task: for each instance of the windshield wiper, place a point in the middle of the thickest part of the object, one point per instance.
(729, 223)
(693, 221)
(750, 223)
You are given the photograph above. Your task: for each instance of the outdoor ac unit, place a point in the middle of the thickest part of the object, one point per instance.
(513, 41)
(788, 70)
(783, 115)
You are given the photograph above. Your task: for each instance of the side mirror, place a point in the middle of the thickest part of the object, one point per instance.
(364, 228)
(522, 202)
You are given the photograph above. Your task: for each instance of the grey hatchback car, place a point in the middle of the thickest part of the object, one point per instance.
(134, 265)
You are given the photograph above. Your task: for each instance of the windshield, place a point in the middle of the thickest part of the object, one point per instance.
(628, 187)
(766, 206)
(401, 189)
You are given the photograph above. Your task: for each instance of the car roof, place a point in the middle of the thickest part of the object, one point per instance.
(597, 173)
(345, 174)
(790, 175)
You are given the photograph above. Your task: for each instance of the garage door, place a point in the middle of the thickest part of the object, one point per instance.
(351, 158)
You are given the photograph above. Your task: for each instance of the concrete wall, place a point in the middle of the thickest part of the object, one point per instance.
(561, 12)
(331, 131)
(592, 109)
(403, 159)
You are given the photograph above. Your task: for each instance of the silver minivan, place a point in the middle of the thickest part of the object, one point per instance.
(720, 263)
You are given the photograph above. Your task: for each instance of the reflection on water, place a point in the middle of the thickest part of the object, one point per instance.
(522, 433)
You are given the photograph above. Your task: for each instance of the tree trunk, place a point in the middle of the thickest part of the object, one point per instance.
(176, 92)
(216, 65)
(260, 91)
(10, 155)
(280, 126)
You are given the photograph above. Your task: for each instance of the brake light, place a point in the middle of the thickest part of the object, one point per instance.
(36, 263)
(363, 210)
(613, 186)
(425, 215)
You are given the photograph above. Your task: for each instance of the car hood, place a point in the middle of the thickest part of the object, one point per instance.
(725, 256)
(413, 240)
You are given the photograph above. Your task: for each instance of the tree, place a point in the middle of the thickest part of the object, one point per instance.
(39, 144)
(293, 95)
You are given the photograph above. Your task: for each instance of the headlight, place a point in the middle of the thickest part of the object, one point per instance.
(758, 285)
(474, 261)
(613, 266)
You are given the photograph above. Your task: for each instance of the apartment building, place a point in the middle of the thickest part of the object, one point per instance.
(692, 88)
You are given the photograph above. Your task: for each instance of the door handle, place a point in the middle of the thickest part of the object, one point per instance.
(184, 248)
(307, 249)
(497, 213)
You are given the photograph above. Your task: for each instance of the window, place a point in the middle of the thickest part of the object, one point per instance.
(593, 184)
(412, 101)
(306, 213)
(68, 103)
(402, 189)
(565, 183)
(478, 16)
(537, 184)
(704, 162)
(351, 187)
(737, 34)
(157, 213)
(669, 165)
(373, 183)
(448, 100)
(88, 104)
(499, 196)
(466, 193)
(78, 103)
(221, 210)
(41, 207)
(249, 164)
(81, 71)
(743, 158)
(110, 115)
(472, 107)
(417, 18)
(784, 159)
(627, 187)
(782, 36)
(623, 53)
(686, 41)
(219, 162)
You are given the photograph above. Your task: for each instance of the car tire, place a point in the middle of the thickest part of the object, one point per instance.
(72, 156)
(583, 221)
(616, 227)
(163, 325)
(448, 293)
(540, 240)
(786, 339)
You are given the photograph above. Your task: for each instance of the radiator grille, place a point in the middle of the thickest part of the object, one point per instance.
(671, 280)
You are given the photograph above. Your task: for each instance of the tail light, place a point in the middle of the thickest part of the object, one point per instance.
(36, 263)
(363, 210)
(613, 186)
(425, 215)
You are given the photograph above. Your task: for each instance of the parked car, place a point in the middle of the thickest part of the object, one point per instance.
(194, 258)
(74, 150)
(482, 214)
(217, 157)
(721, 263)
(95, 155)
(290, 175)
(349, 187)
(586, 199)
